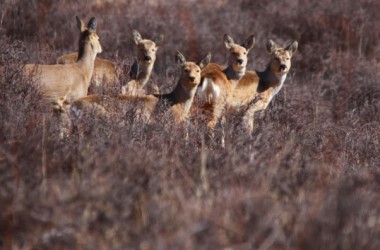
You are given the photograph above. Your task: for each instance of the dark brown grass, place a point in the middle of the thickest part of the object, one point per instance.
(307, 178)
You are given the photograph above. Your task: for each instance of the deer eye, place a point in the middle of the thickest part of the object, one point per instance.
(198, 70)
(245, 53)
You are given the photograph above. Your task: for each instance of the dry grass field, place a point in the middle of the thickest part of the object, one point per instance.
(308, 177)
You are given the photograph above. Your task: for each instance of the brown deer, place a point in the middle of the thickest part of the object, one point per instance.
(179, 100)
(105, 71)
(219, 82)
(146, 57)
(255, 89)
(71, 81)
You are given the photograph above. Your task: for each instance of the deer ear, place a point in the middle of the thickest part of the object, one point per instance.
(292, 47)
(158, 40)
(92, 25)
(136, 37)
(134, 70)
(228, 41)
(80, 24)
(271, 46)
(249, 42)
(206, 60)
(180, 59)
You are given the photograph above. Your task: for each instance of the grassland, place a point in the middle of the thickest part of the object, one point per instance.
(308, 177)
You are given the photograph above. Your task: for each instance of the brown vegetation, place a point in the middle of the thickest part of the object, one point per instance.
(308, 177)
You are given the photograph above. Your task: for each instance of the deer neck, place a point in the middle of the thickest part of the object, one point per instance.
(272, 79)
(234, 75)
(269, 79)
(144, 74)
(181, 96)
(86, 58)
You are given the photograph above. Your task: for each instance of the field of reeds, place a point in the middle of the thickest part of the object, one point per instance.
(308, 177)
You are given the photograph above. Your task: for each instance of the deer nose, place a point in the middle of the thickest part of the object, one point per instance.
(147, 58)
(240, 61)
(191, 78)
(282, 67)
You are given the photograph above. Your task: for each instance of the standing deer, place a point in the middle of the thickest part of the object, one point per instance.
(255, 89)
(71, 81)
(219, 82)
(179, 100)
(105, 71)
(146, 57)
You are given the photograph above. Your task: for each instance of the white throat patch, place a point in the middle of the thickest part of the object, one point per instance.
(277, 89)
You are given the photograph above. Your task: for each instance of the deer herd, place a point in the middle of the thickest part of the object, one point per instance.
(219, 89)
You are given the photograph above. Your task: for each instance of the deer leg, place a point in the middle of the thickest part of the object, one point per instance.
(248, 118)
(223, 124)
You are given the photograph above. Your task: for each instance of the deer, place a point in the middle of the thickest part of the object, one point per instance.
(146, 57)
(68, 82)
(105, 71)
(218, 82)
(256, 89)
(179, 100)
